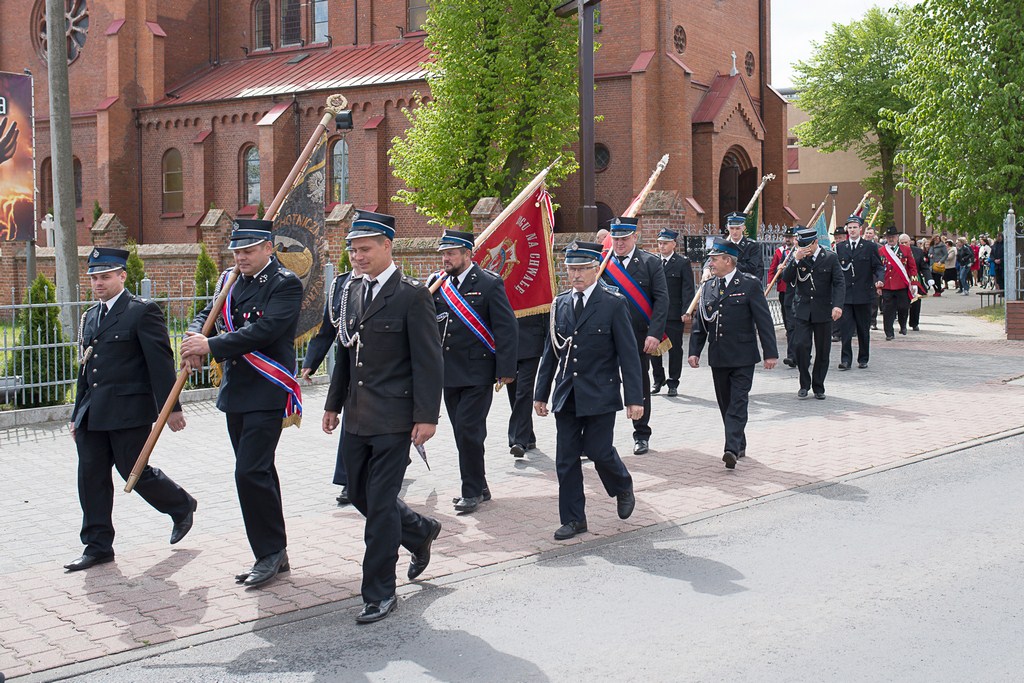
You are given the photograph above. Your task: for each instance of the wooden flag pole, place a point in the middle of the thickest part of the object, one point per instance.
(335, 103)
(636, 205)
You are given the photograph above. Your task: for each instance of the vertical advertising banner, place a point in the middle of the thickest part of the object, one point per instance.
(17, 186)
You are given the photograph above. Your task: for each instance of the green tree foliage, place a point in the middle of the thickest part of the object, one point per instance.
(43, 358)
(845, 85)
(97, 211)
(344, 263)
(503, 105)
(965, 134)
(135, 267)
(205, 280)
(261, 210)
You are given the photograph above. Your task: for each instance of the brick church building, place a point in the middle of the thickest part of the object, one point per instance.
(180, 105)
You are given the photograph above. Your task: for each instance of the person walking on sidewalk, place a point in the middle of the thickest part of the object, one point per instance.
(679, 280)
(869, 236)
(479, 340)
(126, 374)
(964, 260)
(592, 348)
(255, 345)
(779, 260)
(863, 271)
(900, 283)
(951, 274)
(387, 379)
(921, 261)
(731, 309)
(533, 333)
(816, 276)
(937, 252)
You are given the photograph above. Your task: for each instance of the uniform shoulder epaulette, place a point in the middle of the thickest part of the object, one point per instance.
(284, 272)
(747, 276)
(410, 280)
(610, 288)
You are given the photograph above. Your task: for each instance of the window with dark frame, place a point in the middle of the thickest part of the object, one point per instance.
(417, 15)
(320, 26)
(261, 25)
(602, 157)
(291, 22)
(173, 185)
(76, 165)
(338, 172)
(251, 176)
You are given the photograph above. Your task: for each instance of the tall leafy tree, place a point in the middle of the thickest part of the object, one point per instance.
(845, 85)
(964, 136)
(503, 105)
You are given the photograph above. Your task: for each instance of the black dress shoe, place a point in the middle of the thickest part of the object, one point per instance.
(862, 365)
(266, 568)
(729, 458)
(874, 327)
(530, 446)
(86, 561)
(820, 397)
(789, 361)
(518, 450)
(889, 338)
(673, 392)
(742, 454)
(640, 447)
(343, 498)
(375, 611)
(844, 366)
(421, 557)
(656, 387)
(183, 525)
(469, 504)
(485, 496)
(836, 339)
(903, 331)
(802, 393)
(915, 328)
(626, 503)
(567, 531)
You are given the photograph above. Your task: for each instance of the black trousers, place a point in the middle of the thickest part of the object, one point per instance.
(895, 304)
(254, 436)
(467, 411)
(732, 389)
(591, 434)
(915, 313)
(642, 427)
(804, 332)
(674, 330)
(785, 303)
(376, 466)
(874, 309)
(340, 475)
(520, 399)
(856, 319)
(97, 451)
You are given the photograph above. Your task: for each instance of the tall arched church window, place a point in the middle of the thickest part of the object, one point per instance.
(261, 25)
(319, 21)
(291, 22)
(338, 172)
(173, 187)
(76, 166)
(251, 176)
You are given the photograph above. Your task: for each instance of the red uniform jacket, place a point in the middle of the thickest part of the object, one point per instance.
(893, 278)
(778, 258)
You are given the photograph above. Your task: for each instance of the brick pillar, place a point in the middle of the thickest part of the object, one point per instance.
(338, 224)
(109, 231)
(485, 211)
(215, 233)
(662, 209)
(1015, 320)
(277, 149)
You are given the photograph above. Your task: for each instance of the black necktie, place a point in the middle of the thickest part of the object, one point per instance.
(721, 286)
(622, 259)
(577, 309)
(368, 294)
(103, 311)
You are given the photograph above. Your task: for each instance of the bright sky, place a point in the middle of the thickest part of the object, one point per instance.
(795, 23)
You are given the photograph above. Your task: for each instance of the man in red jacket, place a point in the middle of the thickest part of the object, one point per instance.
(779, 259)
(899, 286)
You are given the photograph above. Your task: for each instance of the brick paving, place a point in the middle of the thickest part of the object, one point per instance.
(950, 383)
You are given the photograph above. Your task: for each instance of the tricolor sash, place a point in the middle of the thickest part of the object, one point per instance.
(897, 264)
(629, 287)
(458, 304)
(268, 367)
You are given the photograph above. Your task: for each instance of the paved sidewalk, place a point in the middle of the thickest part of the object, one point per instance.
(955, 381)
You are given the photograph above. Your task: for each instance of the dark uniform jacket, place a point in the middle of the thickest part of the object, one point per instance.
(467, 362)
(750, 260)
(130, 370)
(743, 316)
(265, 313)
(679, 281)
(533, 335)
(321, 342)
(862, 268)
(603, 346)
(394, 379)
(647, 271)
(821, 291)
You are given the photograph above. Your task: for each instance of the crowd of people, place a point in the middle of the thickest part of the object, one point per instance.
(961, 263)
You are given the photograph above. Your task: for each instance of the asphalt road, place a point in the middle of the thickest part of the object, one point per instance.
(911, 574)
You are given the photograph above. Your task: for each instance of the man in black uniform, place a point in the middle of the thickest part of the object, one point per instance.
(815, 276)
(863, 272)
(639, 277)
(317, 350)
(256, 349)
(388, 381)
(679, 280)
(780, 259)
(750, 260)
(871, 237)
(127, 371)
(479, 339)
(592, 345)
(924, 284)
(839, 237)
(731, 309)
(533, 332)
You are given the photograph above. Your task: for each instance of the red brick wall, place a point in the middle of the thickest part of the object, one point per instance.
(1015, 320)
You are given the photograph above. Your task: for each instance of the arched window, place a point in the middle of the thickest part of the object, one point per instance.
(46, 187)
(76, 165)
(261, 24)
(320, 21)
(416, 15)
(250, 176)
(174, 191)
(291, 22)
(338, 169)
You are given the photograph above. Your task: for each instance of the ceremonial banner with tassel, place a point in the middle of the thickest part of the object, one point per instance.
(519, 250)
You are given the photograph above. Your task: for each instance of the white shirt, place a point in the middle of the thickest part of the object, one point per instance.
(728, 278)
(625, 259)
(381, 279)
(461, 277)
(586, 295)
(854, 243)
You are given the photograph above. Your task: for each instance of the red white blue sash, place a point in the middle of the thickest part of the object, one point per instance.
(458, 304)
(897, 264)
(629, 287)
(268, 367)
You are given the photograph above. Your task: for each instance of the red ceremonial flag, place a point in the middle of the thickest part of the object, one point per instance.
(519, 250)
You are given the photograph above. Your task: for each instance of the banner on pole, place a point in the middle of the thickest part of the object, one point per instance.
(17, 175)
